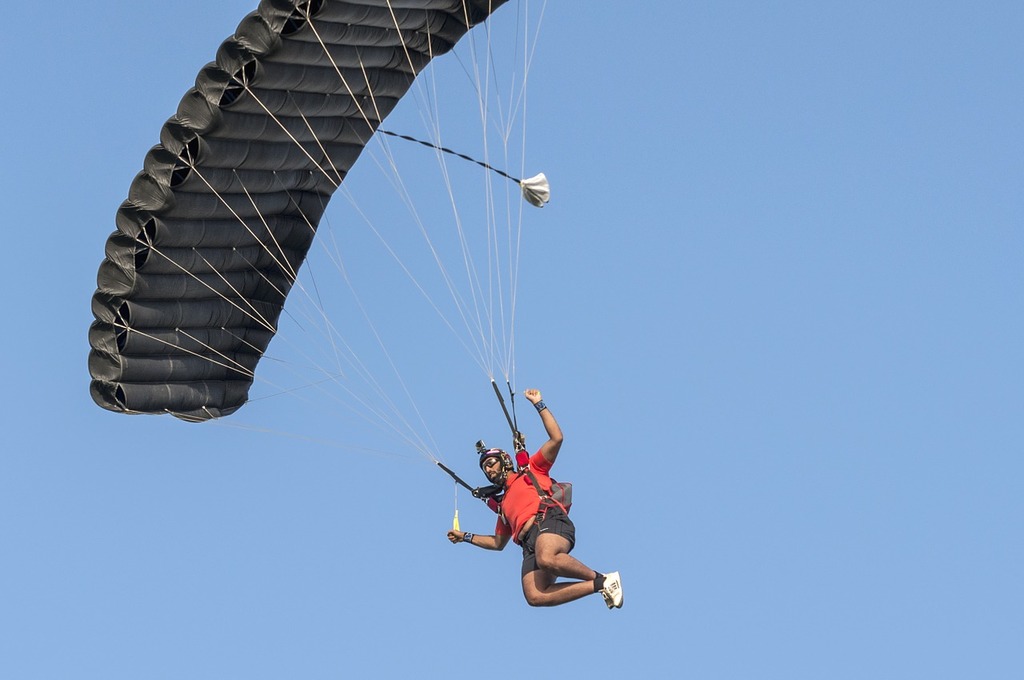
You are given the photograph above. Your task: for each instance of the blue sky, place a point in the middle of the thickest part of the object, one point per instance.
(775, 304)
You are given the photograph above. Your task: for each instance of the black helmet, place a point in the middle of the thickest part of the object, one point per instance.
(506, 460)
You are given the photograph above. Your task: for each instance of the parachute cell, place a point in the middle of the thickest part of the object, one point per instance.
(218, 222)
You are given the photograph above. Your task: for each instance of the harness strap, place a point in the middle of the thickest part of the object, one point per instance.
(544, 495)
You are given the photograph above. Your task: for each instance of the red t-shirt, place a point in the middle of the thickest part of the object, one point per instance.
(521, 500)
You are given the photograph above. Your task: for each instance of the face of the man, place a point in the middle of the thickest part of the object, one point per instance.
(494, 471)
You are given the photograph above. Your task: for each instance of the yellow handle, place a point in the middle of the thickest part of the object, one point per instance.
(455, 522)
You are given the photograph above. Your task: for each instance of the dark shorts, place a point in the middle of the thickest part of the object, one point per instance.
(555, 521)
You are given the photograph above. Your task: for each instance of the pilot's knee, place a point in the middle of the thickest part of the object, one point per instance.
(534, 598)
(547, 560)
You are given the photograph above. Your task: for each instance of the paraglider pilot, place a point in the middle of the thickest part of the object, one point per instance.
(534, 514)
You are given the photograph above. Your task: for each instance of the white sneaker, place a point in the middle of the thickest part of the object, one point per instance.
(612, 591)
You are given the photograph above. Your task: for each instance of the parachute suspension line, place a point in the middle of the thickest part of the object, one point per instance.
(291, 390)
(460, 304)
(517, 103)
(368, 377)
(494, 248)
(369, 88)
(485, 330)
(335, 177)
(292, 275)
(231, 364)
(482, 79)
(400, 188)
(309, 128)
(332, 331)
(230, 423)
(328, 376)
(508, 341)
(469, 265)
(360, 367)
(474, 353)
(286, 270)
(286, 267)
(514, 252)
(190, 418)
(241, 369)
(334, 336)
(529, 51)
(282, 390)
(284, 128)
(405, 47)
(252, 312)
(470, 318)
(517, 95)
(400, 185)
(505, 323)
(468, 260)
(391, 416)
(341, 76)
(394, 367)
(252, 265)
(394, 255)
(364, 409)
(240, 339)
(329, 329)
(482, 89)
(229, 284)
(535, 189)
(285, 260)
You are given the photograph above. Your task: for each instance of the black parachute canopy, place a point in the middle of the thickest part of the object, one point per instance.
(217, 223)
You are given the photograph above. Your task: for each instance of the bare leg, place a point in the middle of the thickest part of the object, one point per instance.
(553, 558)
(553, 555)
(540, 589)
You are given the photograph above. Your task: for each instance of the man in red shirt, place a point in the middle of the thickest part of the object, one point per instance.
(540, 526)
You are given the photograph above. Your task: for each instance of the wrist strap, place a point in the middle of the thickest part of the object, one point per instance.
(467, 538)
(540, 406)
